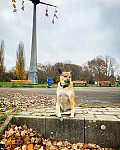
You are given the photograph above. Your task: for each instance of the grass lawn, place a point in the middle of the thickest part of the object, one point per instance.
(8, 84)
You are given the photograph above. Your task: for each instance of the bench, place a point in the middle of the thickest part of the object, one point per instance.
(21, 82)
(79, 82)
(104, 83)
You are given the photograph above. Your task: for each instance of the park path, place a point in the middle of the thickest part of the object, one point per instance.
(89, 96)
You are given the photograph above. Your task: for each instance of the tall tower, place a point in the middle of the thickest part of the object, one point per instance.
(33, 74)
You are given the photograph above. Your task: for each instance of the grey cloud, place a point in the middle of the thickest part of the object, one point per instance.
(84, 30)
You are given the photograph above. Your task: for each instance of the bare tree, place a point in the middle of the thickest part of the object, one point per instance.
(86, 73)
(111, 68)
(96, 68)
(2, 68)
(100, 68)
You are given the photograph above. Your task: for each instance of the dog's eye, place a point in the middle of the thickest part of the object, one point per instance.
(65, 76)
(69, 76)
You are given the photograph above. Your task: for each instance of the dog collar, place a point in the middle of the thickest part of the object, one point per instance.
(64, 86)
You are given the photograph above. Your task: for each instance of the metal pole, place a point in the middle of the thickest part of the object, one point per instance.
(33, 74)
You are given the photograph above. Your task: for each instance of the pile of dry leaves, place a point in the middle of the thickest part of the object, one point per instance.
(20, 100)
(22, 138)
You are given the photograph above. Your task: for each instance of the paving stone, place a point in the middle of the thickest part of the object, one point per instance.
(95, 113)
(25, 113)
(113, 109)
(82, 116)
(81, 112)
(99, 109)
(107, 117)
(81, 109)
(112, 113)
(42, 110)
(45, 114)
(52, 108)
(36, 114)
(93, 109)
(50, 111)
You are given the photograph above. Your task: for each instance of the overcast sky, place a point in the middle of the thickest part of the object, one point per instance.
(85, 29)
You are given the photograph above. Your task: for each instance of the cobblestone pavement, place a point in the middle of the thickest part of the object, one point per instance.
(109, 114)
(90, 96)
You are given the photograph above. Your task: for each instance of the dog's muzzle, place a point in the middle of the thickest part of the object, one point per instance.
(67, 81)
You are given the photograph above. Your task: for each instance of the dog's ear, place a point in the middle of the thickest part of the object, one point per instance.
(60, 72)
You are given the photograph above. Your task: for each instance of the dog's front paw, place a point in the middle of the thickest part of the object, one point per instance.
(72, 116)
(59, 115)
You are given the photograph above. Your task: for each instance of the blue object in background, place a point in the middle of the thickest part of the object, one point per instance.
(116, 83)
(49, 81)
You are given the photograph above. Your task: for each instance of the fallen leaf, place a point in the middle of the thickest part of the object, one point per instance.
(30, 147)
(25, 127)
(79, 145)
(24, 147)
(59, 143)
(42, 148)
(17, 148)
(48, 143)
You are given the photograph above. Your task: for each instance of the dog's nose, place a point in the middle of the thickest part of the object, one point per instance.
(68, 81)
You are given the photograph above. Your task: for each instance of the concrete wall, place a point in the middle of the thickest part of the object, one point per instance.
(103, 133)
(59, 129)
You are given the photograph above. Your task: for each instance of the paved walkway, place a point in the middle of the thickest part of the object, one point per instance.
(88, 96)
(108, 114)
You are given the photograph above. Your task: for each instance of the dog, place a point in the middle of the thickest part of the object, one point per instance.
(65, 94)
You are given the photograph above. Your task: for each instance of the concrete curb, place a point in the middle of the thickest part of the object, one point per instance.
(103, 133)
(4, 126)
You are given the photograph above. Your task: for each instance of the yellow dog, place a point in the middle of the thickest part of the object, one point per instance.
(65, 94)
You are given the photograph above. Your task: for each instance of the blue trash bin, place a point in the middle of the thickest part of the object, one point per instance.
(116, 83)
(49, 82)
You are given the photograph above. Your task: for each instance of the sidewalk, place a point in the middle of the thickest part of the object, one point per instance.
(110, 114)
